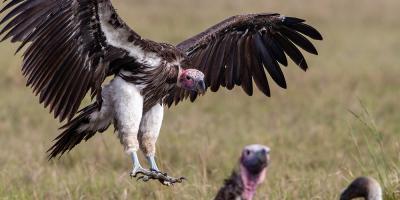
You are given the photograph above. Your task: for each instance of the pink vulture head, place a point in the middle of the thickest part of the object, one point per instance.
(253, 167)
(192, 80)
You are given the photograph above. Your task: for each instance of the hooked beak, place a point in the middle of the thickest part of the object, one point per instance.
(257, 162)
(201, 87)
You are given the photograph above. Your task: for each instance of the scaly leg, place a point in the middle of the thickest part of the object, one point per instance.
(137, 168)
(153, 165)
(148, 133)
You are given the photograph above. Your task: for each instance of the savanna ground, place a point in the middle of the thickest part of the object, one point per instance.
(339, 120)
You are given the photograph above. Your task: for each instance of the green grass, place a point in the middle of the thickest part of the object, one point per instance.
(335, 122)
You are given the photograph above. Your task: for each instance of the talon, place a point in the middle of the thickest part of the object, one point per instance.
(134, 175)
(147, 175)
(166, 183)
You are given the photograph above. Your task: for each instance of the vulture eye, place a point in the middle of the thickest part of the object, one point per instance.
(188, 77)
(263, 151)
(247, 152)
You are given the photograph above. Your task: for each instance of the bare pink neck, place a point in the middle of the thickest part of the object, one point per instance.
(250, 182)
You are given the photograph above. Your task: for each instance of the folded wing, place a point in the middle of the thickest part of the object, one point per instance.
(238, 51)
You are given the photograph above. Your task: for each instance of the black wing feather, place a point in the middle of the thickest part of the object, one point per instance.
(257, 41)
(270, 64)
(219, 64)
(258, 71)
(231, 66)
(67, 47)
(307, 30)
(276, 50)
(216, 62)
(299, 40)
(245, 68)
(292, 51)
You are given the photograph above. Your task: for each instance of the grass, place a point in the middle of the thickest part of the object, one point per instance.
(335, 122)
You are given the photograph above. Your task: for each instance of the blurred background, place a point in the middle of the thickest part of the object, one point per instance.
(339, 120)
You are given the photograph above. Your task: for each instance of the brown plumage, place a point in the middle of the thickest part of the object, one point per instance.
(238, 51)
(71, 136)
(232, 188)
(72, 46)
(235, 51)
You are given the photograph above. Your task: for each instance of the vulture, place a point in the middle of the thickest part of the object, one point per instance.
(250, 173)
(363, 187)
(70, 47)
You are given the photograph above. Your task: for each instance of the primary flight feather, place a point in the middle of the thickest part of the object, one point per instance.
(72, 46)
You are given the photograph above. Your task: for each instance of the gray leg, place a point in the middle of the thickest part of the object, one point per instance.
(137, 167)
(152, 162)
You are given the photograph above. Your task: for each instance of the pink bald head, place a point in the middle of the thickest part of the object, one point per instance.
(253, 167)
(192, 80)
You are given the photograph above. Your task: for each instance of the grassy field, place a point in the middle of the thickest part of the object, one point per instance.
(339, 120)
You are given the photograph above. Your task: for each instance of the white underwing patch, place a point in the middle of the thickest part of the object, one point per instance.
(118, 37)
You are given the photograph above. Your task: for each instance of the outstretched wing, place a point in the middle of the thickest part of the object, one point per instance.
(239, 49)
(72, 46)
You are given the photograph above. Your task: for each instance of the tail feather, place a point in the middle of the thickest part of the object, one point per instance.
(82, 127)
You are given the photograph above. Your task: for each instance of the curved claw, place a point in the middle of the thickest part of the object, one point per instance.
(163, 178)
(166, 183)
(140, 174)
(159, 172)
(139, 178)
(145, 178)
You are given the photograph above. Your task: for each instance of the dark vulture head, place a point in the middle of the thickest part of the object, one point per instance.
(363, 187)
(250, 173)
(253, 167)
(192, 80)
